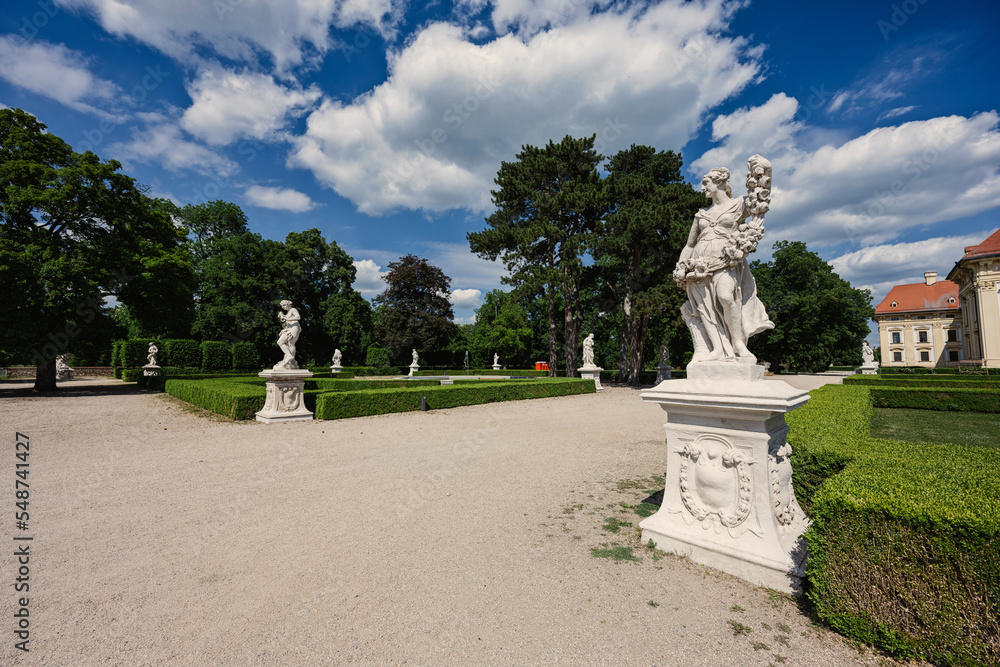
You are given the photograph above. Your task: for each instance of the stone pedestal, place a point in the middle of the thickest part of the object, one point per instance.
(870, 369)
(413, 370)
(728, 501)
(663, 372)
(592, 373)
(336, 369)
(496, 367)
(151, 370)
(284, 400)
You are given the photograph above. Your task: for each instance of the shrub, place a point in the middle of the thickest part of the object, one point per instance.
(377, 357)
(231, 399)
(182, 353)
(932, 398)
(116, 348)
(133, 352)
(339, 405)
(369, 370)
(903, 542)
(501, 373)
(245, 356)
(132, 374)
(215, 356)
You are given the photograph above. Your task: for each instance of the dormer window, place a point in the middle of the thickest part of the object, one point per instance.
(951, 300)
(893, 304)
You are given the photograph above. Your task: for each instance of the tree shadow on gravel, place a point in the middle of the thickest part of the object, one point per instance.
(24, 389)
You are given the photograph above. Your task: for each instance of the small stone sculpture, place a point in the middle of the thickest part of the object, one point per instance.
(336, 357)
(496, 359)
(868, 354)
(664, 355)
(466, 360)
(588, 351)
(416, 357)
(151, 356)
(289, 335)
(722, 310)
(63, 370)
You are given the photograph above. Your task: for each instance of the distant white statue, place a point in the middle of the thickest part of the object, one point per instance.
(289, 335)
(336, 357)
(588, 351)
(466, 360)
(63, 370)
(664, 355)
(416, 357)
(868, 354)
(151, 356)
(722, 310)
(496, 359)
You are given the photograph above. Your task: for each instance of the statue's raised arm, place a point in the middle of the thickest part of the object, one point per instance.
(722, 310)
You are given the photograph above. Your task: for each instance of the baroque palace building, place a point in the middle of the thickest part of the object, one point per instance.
(978, 277)
(940, 323)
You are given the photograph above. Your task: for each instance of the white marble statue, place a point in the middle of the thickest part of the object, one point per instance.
(336, 357)
(63, 370)
(868, 354)
(496, 359)
(289, 335)
(151, 356)
(466, 360)
(416, 358)
(588, 351)
(722, 310)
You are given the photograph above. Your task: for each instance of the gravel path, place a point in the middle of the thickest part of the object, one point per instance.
(165, 535)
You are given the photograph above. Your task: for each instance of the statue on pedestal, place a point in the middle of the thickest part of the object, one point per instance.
(151, 356)
(588, 351)
(336, 357)
(289, 335)
(722, 310)
(868, 354)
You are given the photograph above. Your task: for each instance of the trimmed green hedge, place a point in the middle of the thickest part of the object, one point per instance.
(926, 380)
(930, 398)
(132, 374)
(235, 400)
(215, 356)
(377, 357)
(134, 352)
(341, 405)
(485, 371)
(182, 352)
(245, 356)
(905, 539)
(916, 370)
(372, 370)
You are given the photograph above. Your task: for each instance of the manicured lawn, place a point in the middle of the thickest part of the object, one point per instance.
(933, 426)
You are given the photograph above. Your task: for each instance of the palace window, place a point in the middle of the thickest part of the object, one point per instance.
(952, 355)
(895, 338)
(953, 337)
(925, 356)
(897, 356)
(921, 336)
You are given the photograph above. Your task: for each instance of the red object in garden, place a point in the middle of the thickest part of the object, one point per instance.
(541, 365)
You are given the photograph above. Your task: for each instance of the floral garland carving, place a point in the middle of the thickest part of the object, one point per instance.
(784, 515)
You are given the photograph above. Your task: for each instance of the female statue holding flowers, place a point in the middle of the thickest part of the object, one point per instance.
(722, 310)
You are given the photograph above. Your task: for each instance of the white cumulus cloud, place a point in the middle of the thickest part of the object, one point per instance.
(227, 105)
(432, 136)
(162, 142)
(282, 199)
(869, 189)
(465, 298)
(56, 72)
(290, 31)
(369, 278)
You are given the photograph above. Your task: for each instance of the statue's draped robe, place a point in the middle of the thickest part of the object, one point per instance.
(715, 228)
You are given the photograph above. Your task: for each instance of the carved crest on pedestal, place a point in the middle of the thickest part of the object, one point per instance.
(289, 398)
(716, 484)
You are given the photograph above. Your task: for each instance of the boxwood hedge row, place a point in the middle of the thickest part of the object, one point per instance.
(904, 546)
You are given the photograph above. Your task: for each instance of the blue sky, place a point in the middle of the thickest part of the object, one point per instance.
(383, 123)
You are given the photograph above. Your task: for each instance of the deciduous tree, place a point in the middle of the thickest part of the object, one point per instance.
(415, 313)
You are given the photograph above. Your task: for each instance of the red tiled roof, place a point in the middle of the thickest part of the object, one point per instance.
(991, 246)
(921, 296)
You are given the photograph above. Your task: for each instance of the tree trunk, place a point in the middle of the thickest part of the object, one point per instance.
(569, 328)
(637, 345)
(553, 346)
(45, 376)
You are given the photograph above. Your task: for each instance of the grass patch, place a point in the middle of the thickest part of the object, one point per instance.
(739, 628)
(613, 525)
(616, 554)
(957, 428)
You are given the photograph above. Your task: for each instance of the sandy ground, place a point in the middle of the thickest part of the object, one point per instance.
(165, 535)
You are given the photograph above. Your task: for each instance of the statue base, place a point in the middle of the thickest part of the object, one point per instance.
(496, 367)
(592, 373)
(285, 396)
(869, 370)
(336, 369)
(151, 370)
(663, 373)
(728, 500)
(413, 370)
